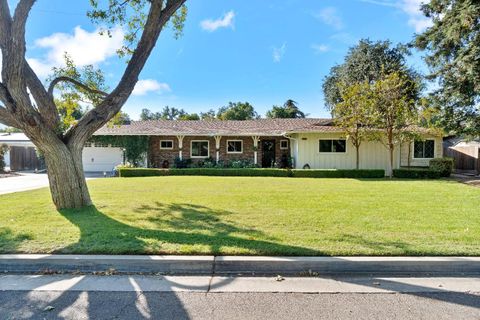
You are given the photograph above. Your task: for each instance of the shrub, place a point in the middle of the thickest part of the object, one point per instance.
(3, 151)
(342, 173)
(251, 172)
(416, 173)
(443, 165)
(182, 163)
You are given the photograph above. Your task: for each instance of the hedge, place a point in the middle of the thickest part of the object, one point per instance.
(342, 173)
(416, 173)
(443, 165)
(251, 172)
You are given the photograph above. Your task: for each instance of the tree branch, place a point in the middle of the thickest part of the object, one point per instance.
(45, 103)
(7, 119)
(76, 83)
(100, 115)
(5, 22)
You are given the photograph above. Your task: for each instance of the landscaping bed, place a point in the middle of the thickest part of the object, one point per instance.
(249, 215)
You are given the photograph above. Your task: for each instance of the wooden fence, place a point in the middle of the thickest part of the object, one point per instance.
(24, 158)
(466, 158)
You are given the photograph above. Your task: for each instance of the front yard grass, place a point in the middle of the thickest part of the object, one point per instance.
(249, 215)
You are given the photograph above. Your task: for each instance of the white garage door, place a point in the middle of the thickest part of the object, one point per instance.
(97, 159)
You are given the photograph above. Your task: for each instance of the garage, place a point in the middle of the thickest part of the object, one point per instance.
(101, 158)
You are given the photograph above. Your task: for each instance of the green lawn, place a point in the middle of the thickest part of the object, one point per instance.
(256, 216)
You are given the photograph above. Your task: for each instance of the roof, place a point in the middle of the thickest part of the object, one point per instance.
(221, 127)
(13, 137)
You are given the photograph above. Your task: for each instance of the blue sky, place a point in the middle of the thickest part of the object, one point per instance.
(264, 52)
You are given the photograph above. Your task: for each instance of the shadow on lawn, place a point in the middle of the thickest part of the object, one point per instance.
(9, 242)
(176, 225)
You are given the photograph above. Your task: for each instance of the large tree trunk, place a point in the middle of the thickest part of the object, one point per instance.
(66, 177)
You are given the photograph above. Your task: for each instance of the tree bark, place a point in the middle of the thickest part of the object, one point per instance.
(357, 150)
(390, 149)
(66, 177)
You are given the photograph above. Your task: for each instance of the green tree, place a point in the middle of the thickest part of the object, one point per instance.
(366, 62)
(288, 110)
(452, 46)
(71, 96)
(394, 111)
(354, 114)
(26, 104)
(189, 116)
(209, 115)
(237, 111)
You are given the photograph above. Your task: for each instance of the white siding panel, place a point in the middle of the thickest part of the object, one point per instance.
(101, 159)
(373, 155)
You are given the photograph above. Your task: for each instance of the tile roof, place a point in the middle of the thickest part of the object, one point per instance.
(220, 127)
(260, 127)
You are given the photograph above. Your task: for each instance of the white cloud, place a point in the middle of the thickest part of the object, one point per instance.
(279, 52)
(320, 48)
(150, 85)
(416, 19)
(411, 8)
(82, 46)
(330, 17)
(223, 22)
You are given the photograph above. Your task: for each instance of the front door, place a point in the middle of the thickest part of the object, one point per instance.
(268, 153)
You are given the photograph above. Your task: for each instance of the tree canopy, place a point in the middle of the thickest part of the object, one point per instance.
(366, 62)
(288, 110)
(237, 111)
(452, 46)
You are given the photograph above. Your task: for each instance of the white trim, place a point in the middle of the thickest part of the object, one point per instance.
(284, 140)
(333, 152)
(166, 141)
(423, 141)
(200, 157)
(234, 152)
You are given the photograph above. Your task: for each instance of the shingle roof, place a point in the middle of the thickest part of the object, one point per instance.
(219, 127)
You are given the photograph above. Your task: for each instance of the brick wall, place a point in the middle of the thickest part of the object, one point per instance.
(157, 156)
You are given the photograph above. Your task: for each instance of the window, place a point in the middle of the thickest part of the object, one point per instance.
(283, 144)
(166, 144)
(199, 149)
(424, 149)
(339, 146)
(234, 146)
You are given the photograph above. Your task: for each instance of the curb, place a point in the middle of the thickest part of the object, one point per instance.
(225, 265)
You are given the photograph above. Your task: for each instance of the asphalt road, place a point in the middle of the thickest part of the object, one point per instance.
(277, 306)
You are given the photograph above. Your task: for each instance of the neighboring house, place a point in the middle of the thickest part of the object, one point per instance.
(466, 153)
(22, 155)
(314, 143)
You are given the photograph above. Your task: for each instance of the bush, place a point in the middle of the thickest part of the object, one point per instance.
(342, 173)
(3, 151)
(416, 173)
(251, 172)
(442, 165)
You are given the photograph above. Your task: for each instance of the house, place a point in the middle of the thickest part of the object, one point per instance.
(310, 143)
(21, 155)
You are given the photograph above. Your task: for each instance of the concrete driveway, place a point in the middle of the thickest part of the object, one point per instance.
(29, 181)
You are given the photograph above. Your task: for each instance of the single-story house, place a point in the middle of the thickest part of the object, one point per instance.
(312, 143)
(21, 155)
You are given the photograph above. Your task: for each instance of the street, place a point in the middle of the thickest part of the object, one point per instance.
(158, 297)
